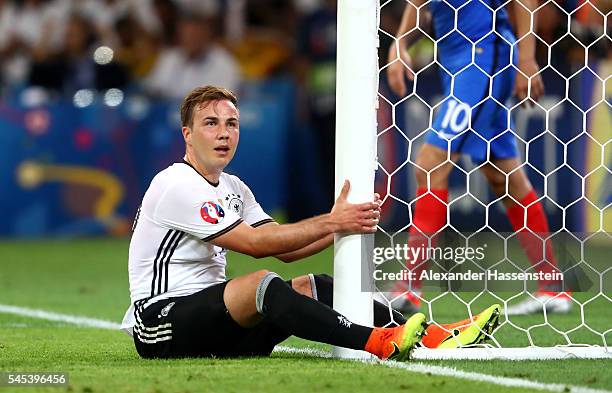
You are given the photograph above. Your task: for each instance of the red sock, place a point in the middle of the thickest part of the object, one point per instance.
(429, 217)
(528, 216)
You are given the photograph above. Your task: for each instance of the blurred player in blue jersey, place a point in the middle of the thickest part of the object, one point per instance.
(479, 55)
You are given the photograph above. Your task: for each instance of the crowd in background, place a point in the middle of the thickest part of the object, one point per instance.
(165, 47)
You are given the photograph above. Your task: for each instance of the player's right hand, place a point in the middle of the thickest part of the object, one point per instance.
(399, 69)
(354, 218)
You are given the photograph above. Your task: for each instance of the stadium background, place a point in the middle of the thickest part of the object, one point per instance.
(77, 157)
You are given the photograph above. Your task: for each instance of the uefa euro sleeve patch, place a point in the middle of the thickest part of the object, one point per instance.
(212, 212)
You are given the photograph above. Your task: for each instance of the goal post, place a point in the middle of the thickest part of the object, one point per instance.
(356, 95)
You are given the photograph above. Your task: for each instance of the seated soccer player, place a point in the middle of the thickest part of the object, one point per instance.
(474, 120)
(182, 303)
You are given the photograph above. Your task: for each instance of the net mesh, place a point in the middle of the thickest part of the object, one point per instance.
(563, 142)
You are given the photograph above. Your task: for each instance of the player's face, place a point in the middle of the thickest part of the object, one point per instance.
(213, 136)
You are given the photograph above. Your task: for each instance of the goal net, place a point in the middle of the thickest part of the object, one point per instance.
(452, 253)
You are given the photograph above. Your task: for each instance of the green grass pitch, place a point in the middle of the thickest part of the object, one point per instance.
(89, 278)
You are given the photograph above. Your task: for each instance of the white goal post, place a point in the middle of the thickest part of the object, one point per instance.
(356, 97)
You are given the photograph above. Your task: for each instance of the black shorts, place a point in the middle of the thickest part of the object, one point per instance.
(199, 325)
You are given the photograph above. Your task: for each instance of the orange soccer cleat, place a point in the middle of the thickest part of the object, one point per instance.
(397, 343)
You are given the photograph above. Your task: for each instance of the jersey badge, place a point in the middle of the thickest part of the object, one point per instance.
(212, 212)
(234, 203)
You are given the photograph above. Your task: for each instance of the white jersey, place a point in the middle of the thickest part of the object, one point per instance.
(170, 251)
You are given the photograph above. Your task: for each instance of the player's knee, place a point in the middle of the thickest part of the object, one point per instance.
(260, 274)
(424, 162)
(518, 184)
(421, 177)
(302, 285)
(433, 179)
(430, 169)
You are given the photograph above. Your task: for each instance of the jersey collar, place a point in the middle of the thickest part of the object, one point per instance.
(208, 181)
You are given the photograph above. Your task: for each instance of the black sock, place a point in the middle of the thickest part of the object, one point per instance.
(323, 291)
(307, 318)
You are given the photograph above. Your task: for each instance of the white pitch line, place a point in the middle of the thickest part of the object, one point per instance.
(494, 379)
(423, 368)
(420, 368)
(303, 351)
(51, 316)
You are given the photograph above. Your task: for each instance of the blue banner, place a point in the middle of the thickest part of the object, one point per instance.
(66, 170)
